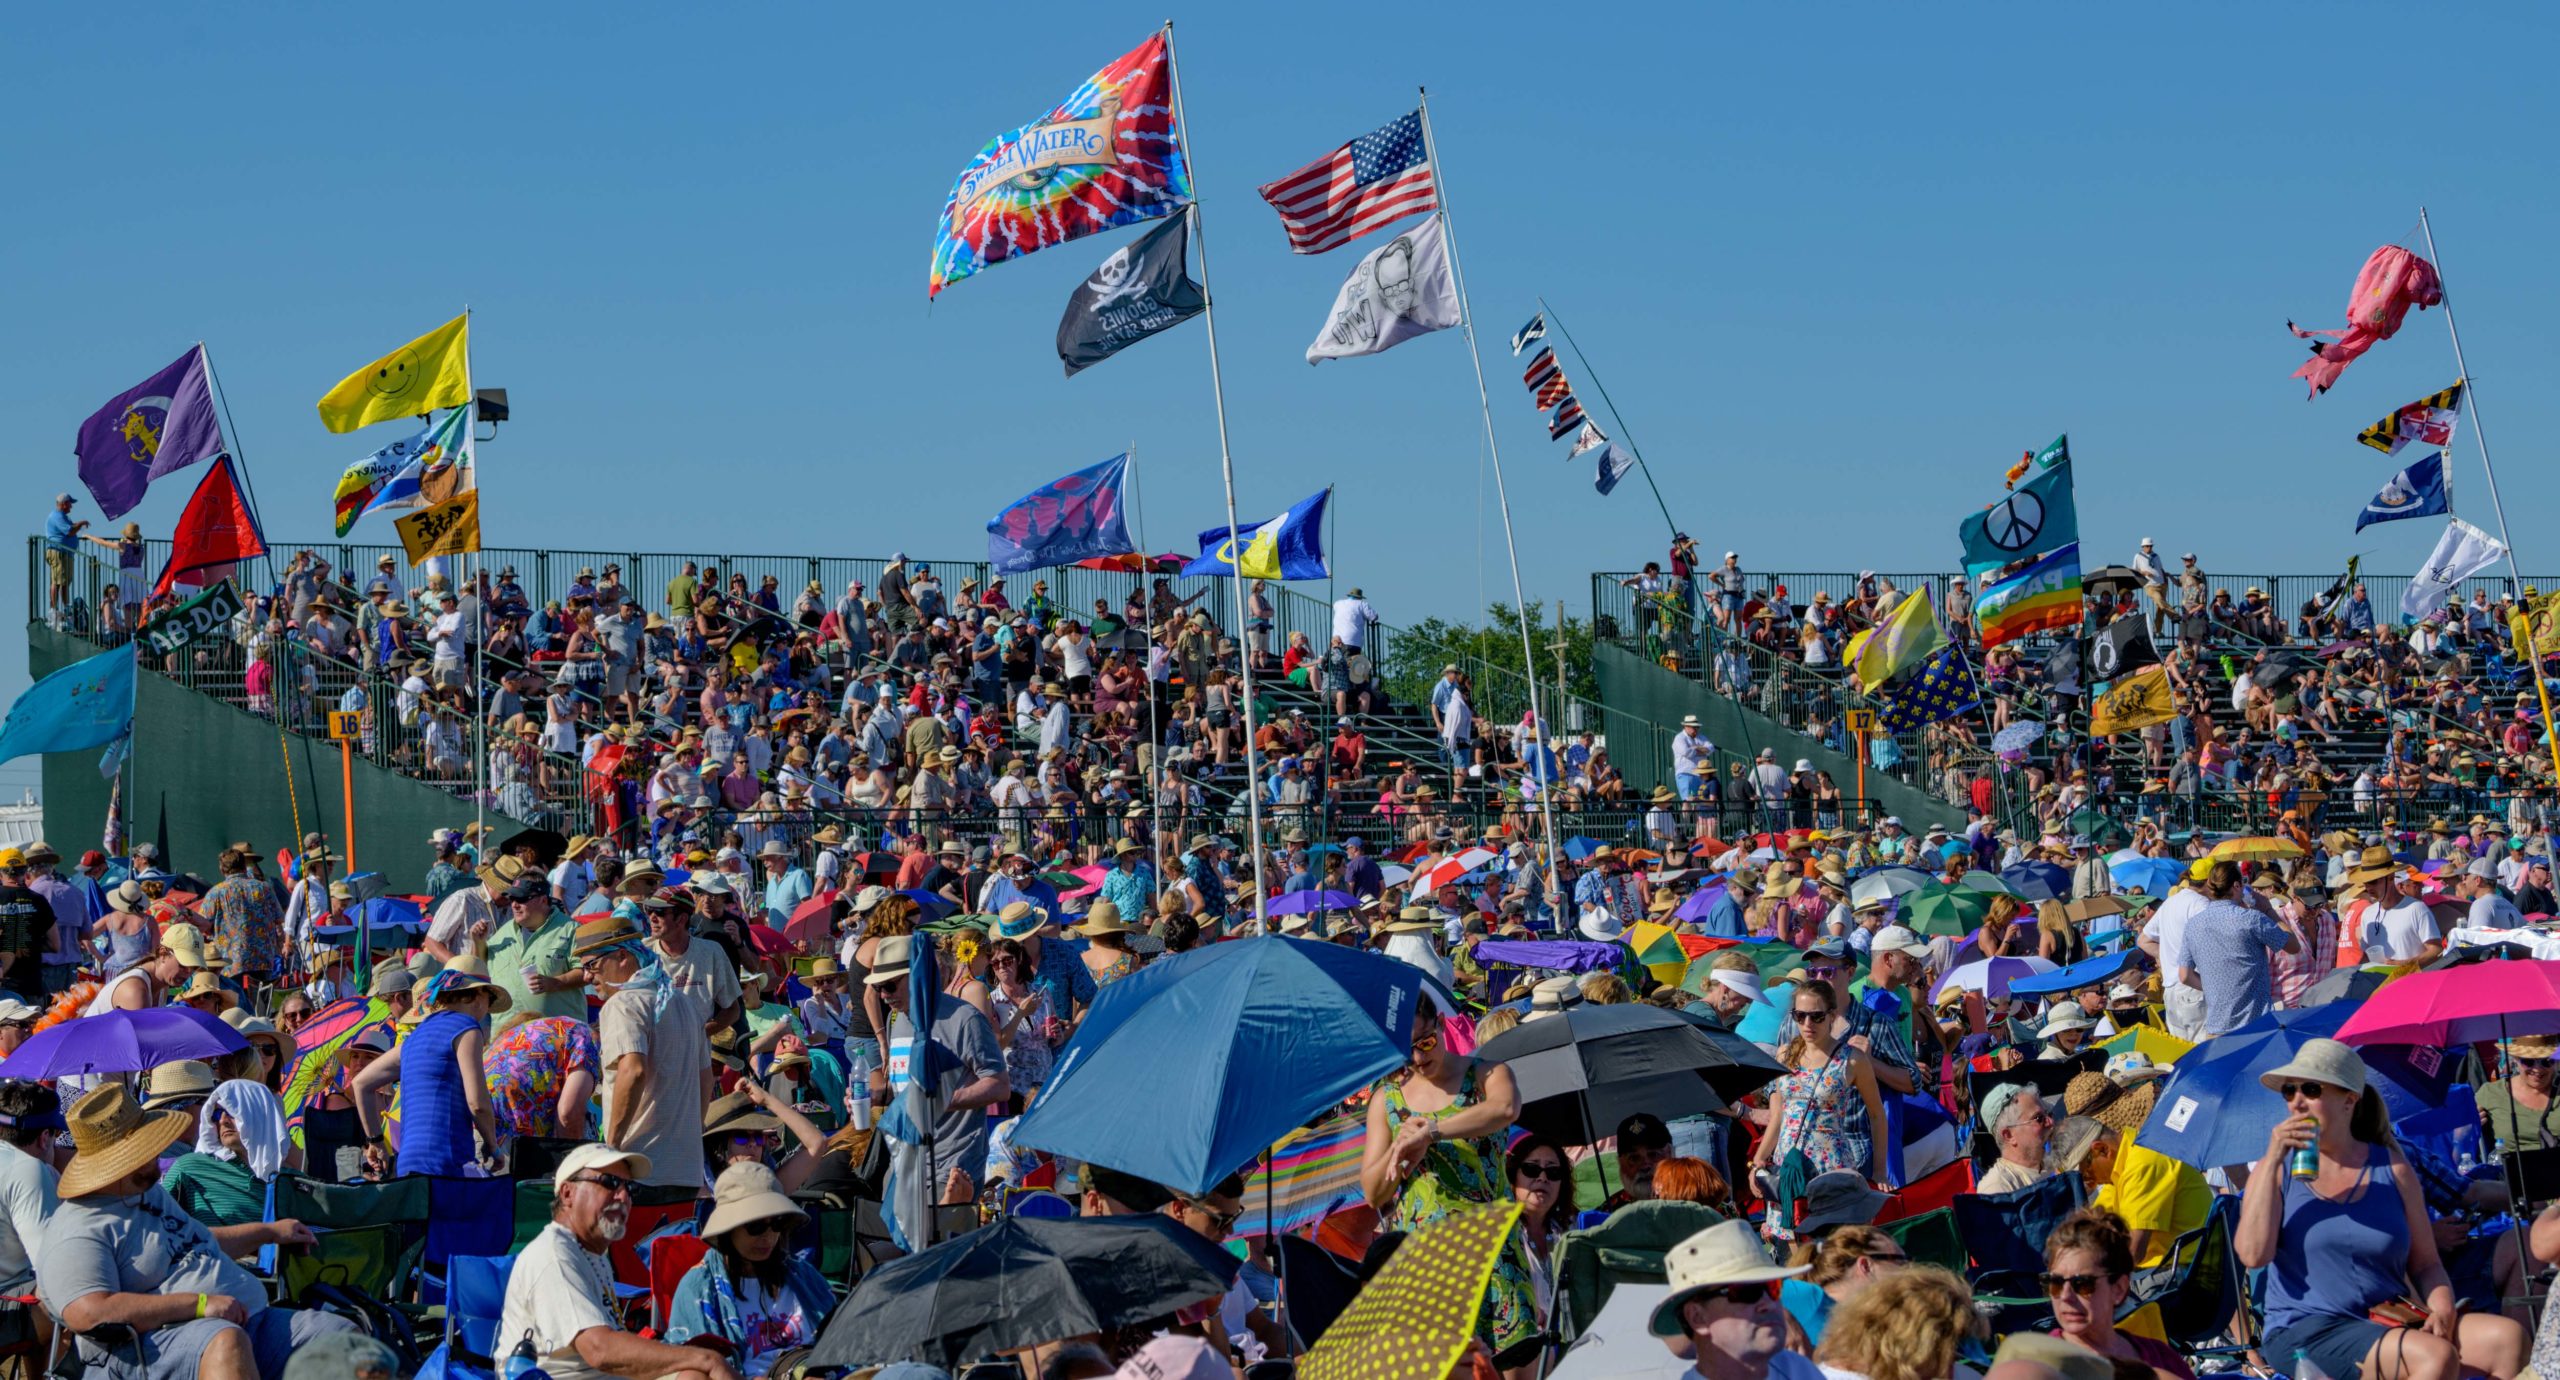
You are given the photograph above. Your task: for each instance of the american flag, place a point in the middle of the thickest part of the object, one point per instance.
(1381, 176)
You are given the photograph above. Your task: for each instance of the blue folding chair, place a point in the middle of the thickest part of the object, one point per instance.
(2005, 1233)
(473, 1305)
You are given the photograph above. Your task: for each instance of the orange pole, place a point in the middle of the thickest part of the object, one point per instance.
(1863, 811)
(347, 794)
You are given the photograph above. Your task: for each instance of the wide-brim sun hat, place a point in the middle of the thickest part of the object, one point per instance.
(1838, 1198)
(1103, 919)
(1724, 1255)
(2320, 1061)
(747, 1193)
(1020, 920)
(113, 1136)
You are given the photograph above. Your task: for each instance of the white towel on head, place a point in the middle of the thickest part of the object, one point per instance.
(260, 1119)
(1416, 950)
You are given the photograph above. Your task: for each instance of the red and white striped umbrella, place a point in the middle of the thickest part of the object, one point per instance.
(1450, 869)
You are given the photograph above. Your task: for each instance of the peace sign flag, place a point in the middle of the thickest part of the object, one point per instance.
(2038, 516)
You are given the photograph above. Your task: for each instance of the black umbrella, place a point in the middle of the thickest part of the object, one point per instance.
(1021, 1281)
(2107, 580)
(2282, 667)
(547, 844)
(1751, 1068)
(1582, 1071)
(2345, 984)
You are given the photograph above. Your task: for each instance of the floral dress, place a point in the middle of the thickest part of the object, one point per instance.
(1028, 1059)
(525, 1067)
(1457, 1175)
(247, 923)
(1826, 1118)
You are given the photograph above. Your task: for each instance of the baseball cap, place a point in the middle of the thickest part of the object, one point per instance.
(1898, 939)
(593, 1155)
(1644, 1129)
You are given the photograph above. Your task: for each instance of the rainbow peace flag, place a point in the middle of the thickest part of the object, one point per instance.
(2040, 595)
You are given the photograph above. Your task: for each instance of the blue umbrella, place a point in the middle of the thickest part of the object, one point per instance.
(2037, 881)
(933, 904)
(1186, 1070)
(2152, 875)
(1300, 902)
(1581, 846)
(2088, 972)
(2214, 1112)
(122, 1042)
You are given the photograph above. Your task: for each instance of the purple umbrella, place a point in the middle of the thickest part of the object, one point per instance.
(1301, 902)
(122, 1042)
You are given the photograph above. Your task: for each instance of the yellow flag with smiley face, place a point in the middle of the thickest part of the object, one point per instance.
(429, 372)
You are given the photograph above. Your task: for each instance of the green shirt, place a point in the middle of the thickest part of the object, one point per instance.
(215, 1191)
(512, 946)
(680, 595)
(762, 1019)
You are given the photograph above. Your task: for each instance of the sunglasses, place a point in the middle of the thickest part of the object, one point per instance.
(1812, 1013)
(610, 1183)
(1744, 1295)
(1880, 1258)
(2521, 1063)
(2309, 1090)
(1553, 1173)
(771, 1226)
(2086, 1286)
(1219, 1223)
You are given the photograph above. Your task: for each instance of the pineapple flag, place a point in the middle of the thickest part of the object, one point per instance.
(2430, 421)
(1588, 439)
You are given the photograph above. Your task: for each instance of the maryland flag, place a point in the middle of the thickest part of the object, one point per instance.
(448, 529)
(2137, 701)
(429, 372)
(1944, 689)
(2430, 420)
(1903, 640)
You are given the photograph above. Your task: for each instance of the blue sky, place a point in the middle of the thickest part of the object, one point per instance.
(1839, 265)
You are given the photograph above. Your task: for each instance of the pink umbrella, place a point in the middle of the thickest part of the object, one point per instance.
(1449, 870)
(2496, 1000)
(1092, 876)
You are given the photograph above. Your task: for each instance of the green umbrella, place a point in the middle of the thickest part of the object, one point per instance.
(1942, 909)
(1989, 883)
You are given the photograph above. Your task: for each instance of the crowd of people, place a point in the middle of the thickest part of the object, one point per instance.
(727, 1032)
(2340, 709)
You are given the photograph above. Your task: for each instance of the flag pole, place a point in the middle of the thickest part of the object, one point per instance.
(1614, 415)
(2480, 438)
(1227, 472)
(1543, 732)
(1147, 671)
(479, 619)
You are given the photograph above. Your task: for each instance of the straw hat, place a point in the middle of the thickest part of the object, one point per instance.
(1125, 846)
(1103, 919)
(1725, 1254)
(128, 898)
(2372, 865)
(176, 1082)
(823, 968)
(889, 962)
(466, 973)
(733, 1114)
(205, 984)
(1021, 920)
(113, 1136)
(747, 1193)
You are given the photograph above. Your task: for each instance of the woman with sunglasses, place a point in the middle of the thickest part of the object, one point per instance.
(1434, 1150)
(2519, 1108)
(1838, 1268)
(750, 1295)
(1542, 1182)
(2354, 1237)
(1019, 1011)
(1828, 1108)
(2088, 1263)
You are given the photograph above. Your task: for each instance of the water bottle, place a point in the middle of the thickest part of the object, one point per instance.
(522, 1364)
(2304, 1368)
(857, 1085)
(2305, 1162)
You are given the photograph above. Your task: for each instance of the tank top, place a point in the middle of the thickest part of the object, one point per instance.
(435, 1122)
(126, 950)
(2339, 1259)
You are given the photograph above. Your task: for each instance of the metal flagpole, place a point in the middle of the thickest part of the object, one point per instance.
(1614, 415)
(1146, 670)
(1543, 731)
(2480, 438)
(1226, 471)
(480, 628)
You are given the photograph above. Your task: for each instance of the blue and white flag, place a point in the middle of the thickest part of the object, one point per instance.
(2462, 552)
(2417, 491)
(1535, 330)
(1072, 518)
(1614, 464)
(84, 705)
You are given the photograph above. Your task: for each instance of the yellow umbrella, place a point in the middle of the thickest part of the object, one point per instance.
(1413, 1320)
(1643, 937)
(2256, 849)
(2155, 1044)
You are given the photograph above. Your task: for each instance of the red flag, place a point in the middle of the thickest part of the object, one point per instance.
(217, 531)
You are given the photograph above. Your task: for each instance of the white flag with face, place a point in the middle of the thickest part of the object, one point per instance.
(2463, 551)
(1401, 290)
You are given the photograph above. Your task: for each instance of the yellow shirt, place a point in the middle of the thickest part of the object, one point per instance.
(2155, 1193)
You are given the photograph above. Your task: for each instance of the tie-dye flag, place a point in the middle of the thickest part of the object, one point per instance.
(1108, 155)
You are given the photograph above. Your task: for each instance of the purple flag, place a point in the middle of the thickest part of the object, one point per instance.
(159, 426)
(1071, 518)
